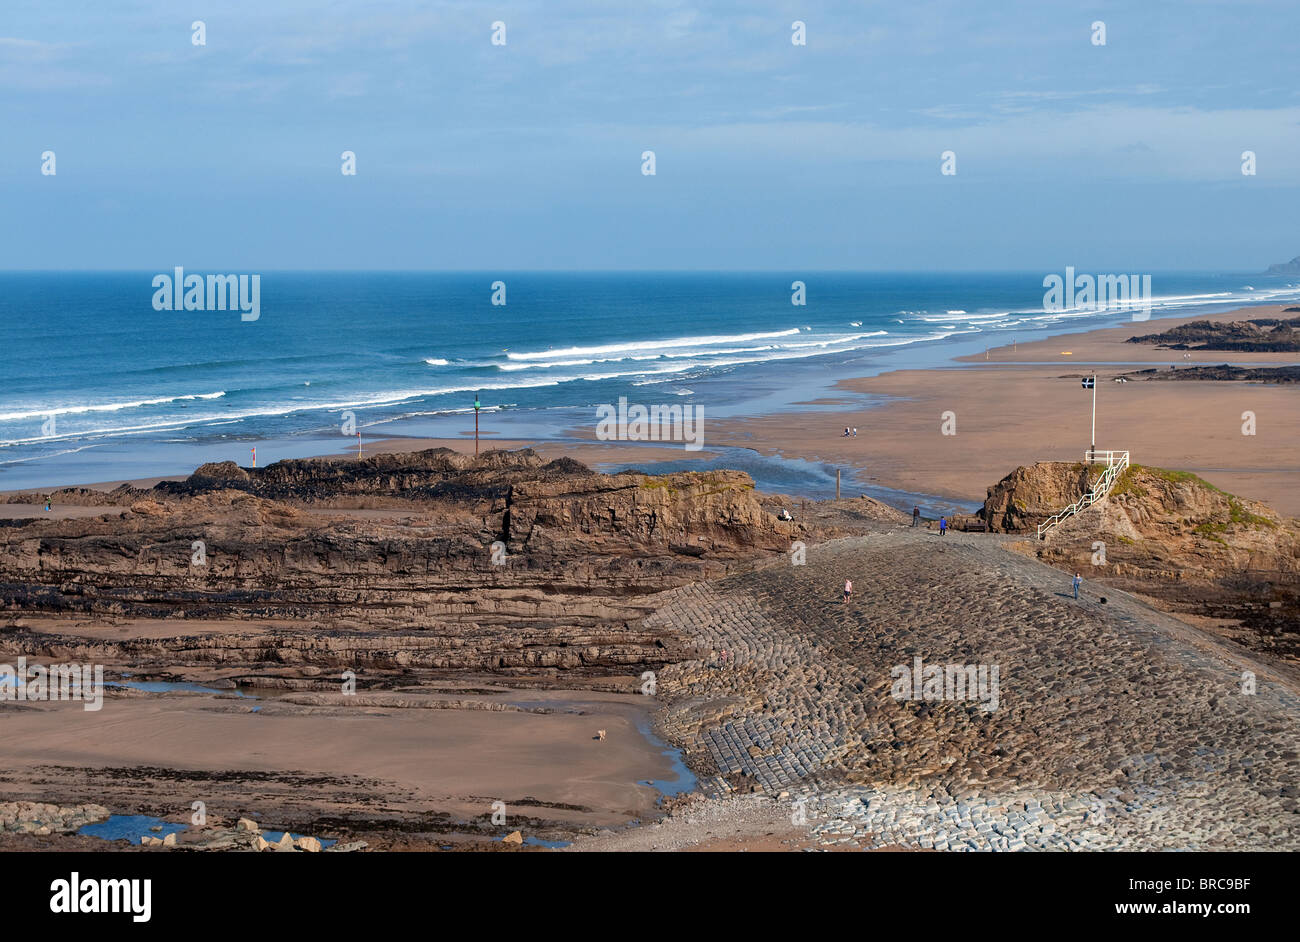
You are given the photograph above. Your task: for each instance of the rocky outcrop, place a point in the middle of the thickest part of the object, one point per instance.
(1225, 562)
(246, 836)
(432, 559)
(1257, 335)
(74, 496)
(437, 474)
(1029, 495)
(1285, 268)
(1281, 375)
(34, 817)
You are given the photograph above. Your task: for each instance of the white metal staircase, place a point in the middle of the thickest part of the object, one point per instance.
(1116, 462)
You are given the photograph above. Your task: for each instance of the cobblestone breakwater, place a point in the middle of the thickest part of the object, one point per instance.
(1115, 726)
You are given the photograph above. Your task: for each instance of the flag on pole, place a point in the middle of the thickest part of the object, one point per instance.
(1087, 382)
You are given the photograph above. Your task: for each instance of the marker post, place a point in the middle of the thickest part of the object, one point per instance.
(1090, 382)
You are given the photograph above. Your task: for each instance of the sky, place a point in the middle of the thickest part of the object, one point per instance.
(769, 156)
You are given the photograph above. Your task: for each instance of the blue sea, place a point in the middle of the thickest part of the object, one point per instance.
(99, 386)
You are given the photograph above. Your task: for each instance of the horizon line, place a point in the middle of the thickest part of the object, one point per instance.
(646, 271)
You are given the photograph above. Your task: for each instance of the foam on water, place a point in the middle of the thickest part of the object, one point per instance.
(107, 372)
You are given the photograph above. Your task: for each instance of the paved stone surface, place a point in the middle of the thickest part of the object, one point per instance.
(1116, 726)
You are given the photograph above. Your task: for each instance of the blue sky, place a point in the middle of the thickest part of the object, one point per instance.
(769, 156)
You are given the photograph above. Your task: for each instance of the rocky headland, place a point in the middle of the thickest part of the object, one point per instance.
(1285, 268)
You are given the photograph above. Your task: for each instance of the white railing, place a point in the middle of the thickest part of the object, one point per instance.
(1116, 462)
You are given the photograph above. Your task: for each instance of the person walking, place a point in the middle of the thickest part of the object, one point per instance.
(943, 526)
(916, 516)
(1077, 580)
(848, 591)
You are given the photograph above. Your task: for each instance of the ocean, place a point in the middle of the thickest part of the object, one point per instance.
(99, 385)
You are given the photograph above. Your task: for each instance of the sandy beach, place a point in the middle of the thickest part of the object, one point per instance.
(391, 755)
(1109, 344)
(1023, 403)
(1016, 410)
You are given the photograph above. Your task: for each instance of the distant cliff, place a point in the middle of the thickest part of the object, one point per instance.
(1285, 268)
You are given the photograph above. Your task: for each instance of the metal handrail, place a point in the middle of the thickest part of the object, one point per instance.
(1116, 463)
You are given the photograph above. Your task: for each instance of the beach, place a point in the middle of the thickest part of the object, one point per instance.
(780, 699)
(1026, 404)
(526, 684)
(428, 757)
(421, 356)
(1110, 344)
(1021, 404)
(634, 430)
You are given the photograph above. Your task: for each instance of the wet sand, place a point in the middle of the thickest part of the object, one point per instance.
(1109, 344)
(357, 759)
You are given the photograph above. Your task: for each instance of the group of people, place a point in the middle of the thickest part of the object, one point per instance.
(916, 521)
(850, 432)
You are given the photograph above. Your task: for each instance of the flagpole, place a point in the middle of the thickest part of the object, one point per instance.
(1086, 382)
